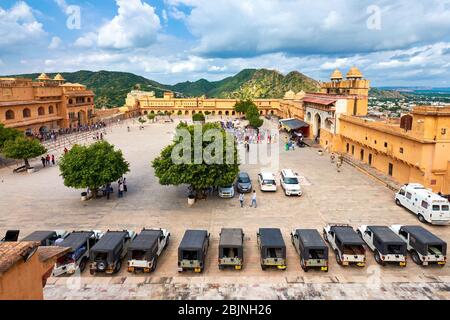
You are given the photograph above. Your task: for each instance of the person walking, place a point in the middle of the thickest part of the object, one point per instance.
(124, 182)
(241, 199)
(121, 189)
(43, 161)
(47, 160)
(53, 159)
(66, 151)
(108, 191)
(254, 203)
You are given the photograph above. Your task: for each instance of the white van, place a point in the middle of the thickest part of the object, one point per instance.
(428, 206)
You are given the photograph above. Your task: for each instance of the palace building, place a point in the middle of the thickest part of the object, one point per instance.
(44, 104)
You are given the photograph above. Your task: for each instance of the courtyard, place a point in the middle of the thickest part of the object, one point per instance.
(40, 201)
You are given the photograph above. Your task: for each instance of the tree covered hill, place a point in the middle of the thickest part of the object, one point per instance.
(111, 88)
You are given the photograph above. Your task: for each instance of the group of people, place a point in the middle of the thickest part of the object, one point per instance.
(121, 190)
(53, 135)
(254, 202)
(48, 160)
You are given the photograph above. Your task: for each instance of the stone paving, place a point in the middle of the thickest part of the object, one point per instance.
(40, 201)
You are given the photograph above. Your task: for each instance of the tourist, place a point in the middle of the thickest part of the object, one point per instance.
(66, 151)
(43, 161)
(254, 203)
(101, 136)
(121, 190)
(124, 182)
(53, 159)
(108, 190)
(47, 160)
(241, 199)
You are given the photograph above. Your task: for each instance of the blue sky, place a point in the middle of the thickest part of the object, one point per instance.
(393, 42)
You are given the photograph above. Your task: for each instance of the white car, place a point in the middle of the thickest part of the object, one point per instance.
(290, 183)
(226, 192)
(267, 182)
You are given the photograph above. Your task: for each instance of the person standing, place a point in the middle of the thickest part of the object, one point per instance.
(124, 182)
(43, 161)
(121, 189)
(254, 203)
(66, 151)
(241, 199)
(47, 160)
(53, 159)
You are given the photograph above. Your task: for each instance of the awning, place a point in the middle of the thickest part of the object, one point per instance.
(293, 124)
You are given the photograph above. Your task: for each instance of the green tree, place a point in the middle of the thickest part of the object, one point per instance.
(202, 175)
(198, 117)
(251, 112)
(243, 105)
(7, 134)
(92, 166)
(151, 117)
(142, 120)
(23, 148)
(180, 113)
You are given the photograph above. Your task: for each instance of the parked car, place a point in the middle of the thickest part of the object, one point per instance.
(312, 249)
(425, 248)
(146, 248)
(346, 244)
(290, 183)
(80, 244)
(231, 249)
(226, 192)
(11, 236)
(47, 238)
(107, 254)
(386, 245)
(193, 250)
(244, 183)
(267, 182)
(272, 248)
(426, 205)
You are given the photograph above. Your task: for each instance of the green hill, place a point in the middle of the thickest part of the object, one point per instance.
(111, 88)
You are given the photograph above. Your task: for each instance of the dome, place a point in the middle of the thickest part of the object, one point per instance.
(336, 75)
(289, 95)
(43, 76)
(354, 73)
(59, 77)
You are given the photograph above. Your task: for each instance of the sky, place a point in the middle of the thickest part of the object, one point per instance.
(394, 43)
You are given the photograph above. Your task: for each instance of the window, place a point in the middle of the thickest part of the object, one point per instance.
(424, 204)
(375, 141)
(348, 148)
(402, 192)
(391, 169)
(445, 208)
(385, 144)
(26, 113)
(408, 195)
(51, 110)
(9, 115)
(436, 207)
(41, 111)
(353, 150)
(402, 150)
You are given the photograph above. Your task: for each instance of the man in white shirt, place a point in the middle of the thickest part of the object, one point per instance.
(254, 203)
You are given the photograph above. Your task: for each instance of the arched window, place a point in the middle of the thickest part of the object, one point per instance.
(9, 115)
(406, 122)
(26, 113)
(51, 110)
(41, 111)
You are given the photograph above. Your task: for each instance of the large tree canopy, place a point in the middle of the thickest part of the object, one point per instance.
(23, 148)
(92, 166)
(199, 174)
(7, 134)
(251, 112)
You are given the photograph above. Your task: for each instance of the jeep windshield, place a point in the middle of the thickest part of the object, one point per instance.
(291, 180)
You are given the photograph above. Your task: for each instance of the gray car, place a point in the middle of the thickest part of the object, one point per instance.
(244, 184)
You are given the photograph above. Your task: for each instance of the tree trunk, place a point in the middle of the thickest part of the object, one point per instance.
(27, 163)
(94, 193)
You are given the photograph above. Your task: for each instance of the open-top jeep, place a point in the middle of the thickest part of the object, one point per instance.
(272, 248)
(192, 251)
(386, 245)
(231, 249)
(107, 254)
(425, 248)
(80, 244)
(47, 238)
(146, 248)
(346, 244)
(11, 236)
(312, 249)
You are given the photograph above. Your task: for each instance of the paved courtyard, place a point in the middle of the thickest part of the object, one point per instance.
(40, 201)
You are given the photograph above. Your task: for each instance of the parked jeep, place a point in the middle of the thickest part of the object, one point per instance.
(386, 245)
(192, 251)
(80, 244)
(231, 249)
(312, 249)
(107, 254)
(272, 248)
(47, 238)
(425, 248)
(146, 248)
(346, 244)
(11, 236)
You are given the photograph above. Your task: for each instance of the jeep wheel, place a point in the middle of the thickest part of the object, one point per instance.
(415, 257)
(378, 259)
(92, 272)
(325, 237)
(397, 202)
(338, 258)
(118, 267)
(154, 265)
(82, 265)
(167, 242)
(422, 219)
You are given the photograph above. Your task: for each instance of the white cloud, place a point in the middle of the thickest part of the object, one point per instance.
(55, 43)
(19, 27)
(135, 26)
(86, 41)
